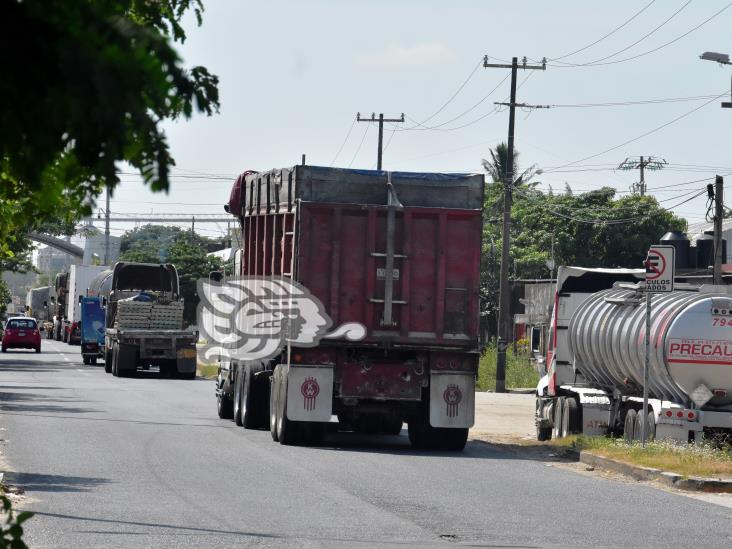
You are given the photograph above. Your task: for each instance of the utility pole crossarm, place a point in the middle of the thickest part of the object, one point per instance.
(381, 121)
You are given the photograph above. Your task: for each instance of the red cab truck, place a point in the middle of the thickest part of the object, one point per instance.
(396, 252)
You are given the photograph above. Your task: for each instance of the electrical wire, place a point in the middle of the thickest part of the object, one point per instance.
(453, 96)
(344, 142)
(629, 103)
(616, 29)
(363, 137)
(645, 134)
(641, 39)
(569, 65)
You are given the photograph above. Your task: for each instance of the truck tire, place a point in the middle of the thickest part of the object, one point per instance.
(126, 360)
(224, 406)
(115, 358)
(93, 360)
(273, 403)
(557, 417)
(392, 425)
(629, 428)
(108, 360)
(651, 429)
(85, 359)
(570, 417)
(454, 440)
(247, 406)
(237, 395)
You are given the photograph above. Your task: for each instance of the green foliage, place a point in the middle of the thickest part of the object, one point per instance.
(90, 84)
(11, 533)
(591, 229)
(5, 297)
(166, 244)
(520, 371)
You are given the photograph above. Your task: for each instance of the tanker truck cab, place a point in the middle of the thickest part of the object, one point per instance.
(593, 383)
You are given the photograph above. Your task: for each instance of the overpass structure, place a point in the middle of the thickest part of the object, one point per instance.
(58, 243)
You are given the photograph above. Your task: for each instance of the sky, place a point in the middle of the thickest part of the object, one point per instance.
(293, 75)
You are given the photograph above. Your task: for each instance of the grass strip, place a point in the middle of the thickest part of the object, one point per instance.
(702, 459)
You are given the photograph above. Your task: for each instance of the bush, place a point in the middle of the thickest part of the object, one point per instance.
(520, 371)
(11, 533)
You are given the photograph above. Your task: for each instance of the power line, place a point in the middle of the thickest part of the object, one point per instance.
(616, 29)
(641, 39)
(344, 142)
(453, 96)
(363, 137)
(569, 65)
(630, 103)
(654, 130)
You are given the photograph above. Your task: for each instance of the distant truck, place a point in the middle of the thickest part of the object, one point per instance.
(80, 276)
(92, 329)
(59, 309)
(38, 302)
(144, 321)
(398, 253)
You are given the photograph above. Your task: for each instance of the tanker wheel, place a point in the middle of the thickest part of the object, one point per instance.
(247, 404)
(651, 429)
(557, 417)
(237, 396)
(570, 417)
(392, 425)
(629, 428)
(93, 360)
(273, 403)
(542, 433)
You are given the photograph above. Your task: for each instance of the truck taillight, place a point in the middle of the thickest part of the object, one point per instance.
(719, 393)
(669, 413)
(690, 415)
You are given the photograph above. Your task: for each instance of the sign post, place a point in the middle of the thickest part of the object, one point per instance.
(660, 270)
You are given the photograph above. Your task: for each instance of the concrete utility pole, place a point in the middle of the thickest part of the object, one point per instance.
(381, 121)
(106, 231)
(645, 162)
(504, 299)
(718, 217)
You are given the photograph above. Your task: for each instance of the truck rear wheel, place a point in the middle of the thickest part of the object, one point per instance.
(273, 403)
(108, 360)
(115, 358)
(126, 361)
(629, 428)
(570, 417)
(557, 417)
(288, 432)
(237, 395)
(93, 360)
(224, 406)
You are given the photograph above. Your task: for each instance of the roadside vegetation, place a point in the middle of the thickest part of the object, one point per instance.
(11, 529)
(520, 371)
(703, 459)
(209, 371)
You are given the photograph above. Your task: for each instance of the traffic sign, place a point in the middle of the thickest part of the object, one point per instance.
(660, 269)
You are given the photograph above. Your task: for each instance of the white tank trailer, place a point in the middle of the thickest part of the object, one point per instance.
(593, 381)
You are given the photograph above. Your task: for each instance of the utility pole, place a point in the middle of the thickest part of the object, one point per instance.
(504, 299)
(645, 162)
(381, 121)
(106, 231)
(718, 216)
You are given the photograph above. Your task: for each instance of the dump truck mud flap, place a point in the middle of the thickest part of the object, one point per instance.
(452, 399)
(310, 393)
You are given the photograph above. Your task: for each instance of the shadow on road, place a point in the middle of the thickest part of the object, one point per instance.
(25, 365)
(36, 482)
(31, 402)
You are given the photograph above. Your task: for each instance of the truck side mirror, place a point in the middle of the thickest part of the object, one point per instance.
(104, 302)
(80, 298)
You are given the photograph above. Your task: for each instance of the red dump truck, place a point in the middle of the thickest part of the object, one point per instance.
(396, 252)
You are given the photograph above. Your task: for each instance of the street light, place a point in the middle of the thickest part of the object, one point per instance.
(722, 59)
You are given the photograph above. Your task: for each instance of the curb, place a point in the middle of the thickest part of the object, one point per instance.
(672, 480)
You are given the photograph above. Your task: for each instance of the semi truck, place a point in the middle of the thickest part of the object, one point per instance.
(59, 312)
(593, 373)
(398, 253)
(80, 276)
(144, 321)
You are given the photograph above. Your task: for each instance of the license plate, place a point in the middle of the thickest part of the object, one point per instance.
(21, 334)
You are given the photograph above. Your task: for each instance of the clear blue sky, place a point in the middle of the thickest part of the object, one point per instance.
(294, 74)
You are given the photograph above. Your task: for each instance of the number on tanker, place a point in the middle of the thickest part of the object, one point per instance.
(720, 322)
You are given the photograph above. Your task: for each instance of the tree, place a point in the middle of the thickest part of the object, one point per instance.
(592, 229)
(169, 244)
(88, 85)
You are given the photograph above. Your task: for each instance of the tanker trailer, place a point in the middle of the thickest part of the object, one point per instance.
(593, 382)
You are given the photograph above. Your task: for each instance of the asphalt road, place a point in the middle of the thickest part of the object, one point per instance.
(145, 462)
